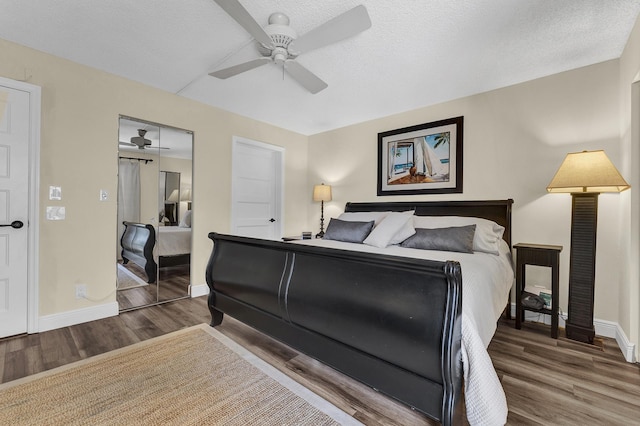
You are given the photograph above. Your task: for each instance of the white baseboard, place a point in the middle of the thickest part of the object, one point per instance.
(628, 349)
(199, 290)
(603, 328)
(78, 316)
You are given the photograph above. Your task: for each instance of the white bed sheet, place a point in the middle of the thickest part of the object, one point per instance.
(486, 283)
(173, 240)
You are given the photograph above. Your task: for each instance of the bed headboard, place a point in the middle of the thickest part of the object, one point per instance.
(498, 211)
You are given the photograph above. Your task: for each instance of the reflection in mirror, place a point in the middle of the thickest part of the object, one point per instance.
(154, 213)
(169, 197)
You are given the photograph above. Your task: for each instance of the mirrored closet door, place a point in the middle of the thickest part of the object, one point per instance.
(154, 213)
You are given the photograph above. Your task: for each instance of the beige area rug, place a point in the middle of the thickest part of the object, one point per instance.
(127, 279)
(195, 376)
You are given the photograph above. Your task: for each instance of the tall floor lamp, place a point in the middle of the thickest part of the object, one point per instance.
(585, 175)
(321, 193)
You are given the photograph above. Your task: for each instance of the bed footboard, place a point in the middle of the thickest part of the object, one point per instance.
(138, 240)
(392, 323)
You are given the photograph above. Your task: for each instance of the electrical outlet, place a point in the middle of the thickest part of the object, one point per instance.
(81, 291)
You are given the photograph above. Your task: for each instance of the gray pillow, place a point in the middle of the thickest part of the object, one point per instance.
(350, 232)
(458, 238)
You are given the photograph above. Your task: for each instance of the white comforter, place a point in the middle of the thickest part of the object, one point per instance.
(487, 280)
(173, 240)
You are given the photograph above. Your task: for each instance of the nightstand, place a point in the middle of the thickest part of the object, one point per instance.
(538, 255)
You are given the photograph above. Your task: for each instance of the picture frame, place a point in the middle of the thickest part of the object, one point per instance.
(421, 159)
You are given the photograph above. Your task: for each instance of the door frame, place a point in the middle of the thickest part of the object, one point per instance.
(279, 195)
(33, 227)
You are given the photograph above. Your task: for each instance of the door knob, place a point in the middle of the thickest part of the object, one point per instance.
(15, 224)
(272, 220)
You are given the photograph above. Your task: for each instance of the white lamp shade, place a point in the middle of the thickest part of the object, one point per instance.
(587, 171)
(322, 193)
(185, 195)
(173, 197)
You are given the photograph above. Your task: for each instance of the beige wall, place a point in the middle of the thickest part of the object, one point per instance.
(79, 149)
(629, 298)
(514, 141)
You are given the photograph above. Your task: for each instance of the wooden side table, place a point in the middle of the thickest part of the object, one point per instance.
(539, 255)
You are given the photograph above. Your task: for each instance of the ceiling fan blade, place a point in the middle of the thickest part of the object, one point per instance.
(339, 28)
(240, 68)
(240, 14)
(306, 78)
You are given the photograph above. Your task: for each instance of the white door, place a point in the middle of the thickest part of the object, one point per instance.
(256, 189)
(14, 196)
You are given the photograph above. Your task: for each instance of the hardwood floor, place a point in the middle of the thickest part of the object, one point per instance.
(173, 284)
(547, 381)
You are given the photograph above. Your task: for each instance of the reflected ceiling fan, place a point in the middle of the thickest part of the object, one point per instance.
(141, 142)
(279, 43)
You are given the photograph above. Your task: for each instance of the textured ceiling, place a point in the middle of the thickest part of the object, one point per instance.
(417, 52)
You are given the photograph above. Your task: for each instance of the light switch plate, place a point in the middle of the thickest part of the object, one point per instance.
(55, 213)
(104, 195)
(55, 193)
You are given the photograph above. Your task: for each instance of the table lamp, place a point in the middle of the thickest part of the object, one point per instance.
(185, 195)
(321, 193)
(585, 175)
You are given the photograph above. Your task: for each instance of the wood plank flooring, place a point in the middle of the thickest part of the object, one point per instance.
(547, 381)
(173, 284)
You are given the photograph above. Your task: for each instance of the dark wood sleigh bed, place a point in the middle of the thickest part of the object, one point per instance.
(138, 242)
(390, 322)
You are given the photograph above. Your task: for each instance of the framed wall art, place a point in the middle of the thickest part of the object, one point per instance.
(422, 159)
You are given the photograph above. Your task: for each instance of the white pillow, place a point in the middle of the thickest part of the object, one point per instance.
(185, 222)
(392, 228)
(405, 232)
(486, 239)
(364, 217)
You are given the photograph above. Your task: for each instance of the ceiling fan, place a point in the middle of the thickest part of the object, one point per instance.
(279, 43)
(140, 141)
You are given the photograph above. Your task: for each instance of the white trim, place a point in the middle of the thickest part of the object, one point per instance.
(613, 330)
(33, 227)
(78, 316)
(603, 328)
(199, 290)
(235, 141)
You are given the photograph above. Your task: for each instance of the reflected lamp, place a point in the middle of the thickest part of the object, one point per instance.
(186, 196)
(321, 193)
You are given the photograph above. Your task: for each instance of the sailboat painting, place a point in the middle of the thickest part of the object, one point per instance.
(422, 159)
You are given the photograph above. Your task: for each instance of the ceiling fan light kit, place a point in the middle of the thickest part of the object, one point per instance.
(280, 44)
(140, 140)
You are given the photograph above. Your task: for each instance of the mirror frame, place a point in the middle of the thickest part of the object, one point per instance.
(157, 295)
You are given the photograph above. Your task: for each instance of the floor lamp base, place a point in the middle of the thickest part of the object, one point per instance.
(582, 267)
(579, 333)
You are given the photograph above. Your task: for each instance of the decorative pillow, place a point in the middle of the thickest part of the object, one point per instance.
(405, 232)
(185, 222)
(364, 216)
(347, 231)
(392, 228)
(486, 238)
(457, 238)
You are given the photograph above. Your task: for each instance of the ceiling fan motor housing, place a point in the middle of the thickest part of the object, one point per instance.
(282, 35)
